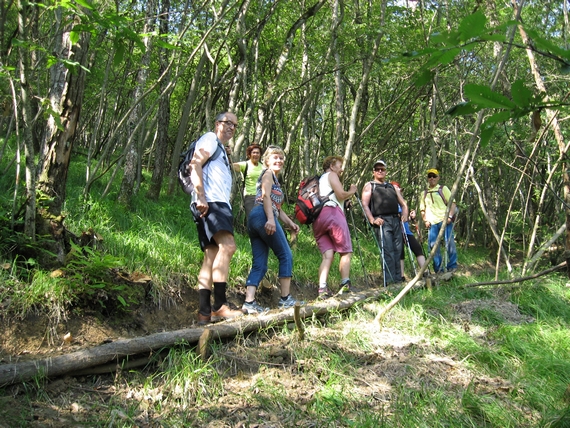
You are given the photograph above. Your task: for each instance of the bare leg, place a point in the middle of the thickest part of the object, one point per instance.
(250, 293)
(325, 266)
(226, 249)
(285, 284)
(344, 265)
(421, 260)
(205, 275)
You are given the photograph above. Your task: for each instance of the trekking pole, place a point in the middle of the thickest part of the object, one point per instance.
(410, 252)
(385, 268)
(380, 252)
(358, 245)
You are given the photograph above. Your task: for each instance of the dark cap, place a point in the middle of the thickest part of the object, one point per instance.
(379, 162)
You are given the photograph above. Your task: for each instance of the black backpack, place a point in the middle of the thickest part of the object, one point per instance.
(185, 167)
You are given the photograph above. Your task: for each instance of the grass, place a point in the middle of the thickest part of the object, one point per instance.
(453, 356)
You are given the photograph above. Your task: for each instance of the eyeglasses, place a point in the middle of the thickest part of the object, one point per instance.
(380, 168)
(229, 124)
(432, 176)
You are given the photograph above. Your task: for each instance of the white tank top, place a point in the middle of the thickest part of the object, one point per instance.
(325, 188)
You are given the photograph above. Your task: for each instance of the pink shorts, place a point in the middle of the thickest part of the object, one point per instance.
(331, 231)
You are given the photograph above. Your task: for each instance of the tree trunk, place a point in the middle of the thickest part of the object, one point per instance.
(59, 365)
(553, 121)
(163, 111)
(67, 89)
(133, 155)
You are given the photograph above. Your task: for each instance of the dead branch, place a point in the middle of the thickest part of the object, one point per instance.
(118, 350)
(522, 279)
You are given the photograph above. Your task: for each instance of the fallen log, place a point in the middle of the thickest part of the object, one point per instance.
(114, 351)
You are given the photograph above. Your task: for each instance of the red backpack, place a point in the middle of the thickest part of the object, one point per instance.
(309, 200)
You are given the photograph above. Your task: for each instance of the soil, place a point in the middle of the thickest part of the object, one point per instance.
(35, 338)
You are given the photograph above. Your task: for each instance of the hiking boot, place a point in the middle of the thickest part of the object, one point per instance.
(203, 319)
(346, 288)
(324, 293)
(225, 313)
(254, 308)
(289, 302)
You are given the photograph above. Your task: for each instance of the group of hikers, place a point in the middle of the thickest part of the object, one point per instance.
(382, 203)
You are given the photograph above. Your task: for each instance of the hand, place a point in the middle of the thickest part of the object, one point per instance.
(378, 221)
(202, 205)
(352, 189)
(428, 224)
(270, 227)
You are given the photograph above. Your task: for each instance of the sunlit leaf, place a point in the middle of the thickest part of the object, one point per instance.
(84, 4)
(486, 97)
(472, 25)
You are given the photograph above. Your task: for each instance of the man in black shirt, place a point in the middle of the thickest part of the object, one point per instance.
(380, 201)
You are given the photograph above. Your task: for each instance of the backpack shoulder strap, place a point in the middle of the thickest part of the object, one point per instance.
(440, 191)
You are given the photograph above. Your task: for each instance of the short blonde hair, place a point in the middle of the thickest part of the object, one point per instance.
(272, 150)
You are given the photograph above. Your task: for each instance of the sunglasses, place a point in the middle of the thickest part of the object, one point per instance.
(380, 168)
(432, 176)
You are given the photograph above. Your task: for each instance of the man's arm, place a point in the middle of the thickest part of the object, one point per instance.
(403, 204)
(197, 175)
(366, 196)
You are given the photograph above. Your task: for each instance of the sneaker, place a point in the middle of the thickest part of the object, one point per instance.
(225, 313)
(346, 288)
(203, 319)
(289, 302)
(254, 308)
(324, 293)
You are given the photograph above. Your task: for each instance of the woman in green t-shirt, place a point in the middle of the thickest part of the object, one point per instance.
(250, 169)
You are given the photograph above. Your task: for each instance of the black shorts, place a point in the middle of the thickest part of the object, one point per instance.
(219, 217)
(415, 246)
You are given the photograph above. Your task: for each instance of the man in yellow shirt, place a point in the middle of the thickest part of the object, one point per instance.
(433, 206)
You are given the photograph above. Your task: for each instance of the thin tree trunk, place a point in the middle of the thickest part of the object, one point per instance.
(553, 120)
(163, 111)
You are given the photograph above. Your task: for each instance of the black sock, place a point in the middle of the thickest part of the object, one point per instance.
(286, 297)
(205, 308)
(219, 295)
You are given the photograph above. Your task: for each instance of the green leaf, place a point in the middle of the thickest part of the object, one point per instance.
(499, 117)
(462, 109)
(73, 36)
(84, 4)
(547, 45)
(161, 43)
(423, 78)
(439, 38)
(119, 53)
(486, 134)
(472, 25)
(448, 56)
(487, 98)
(521, 95)
(493, 37)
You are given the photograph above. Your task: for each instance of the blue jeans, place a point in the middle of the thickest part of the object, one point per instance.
(261, 242)
(451, 250)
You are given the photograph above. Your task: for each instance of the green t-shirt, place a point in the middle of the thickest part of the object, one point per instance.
(253, 172)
